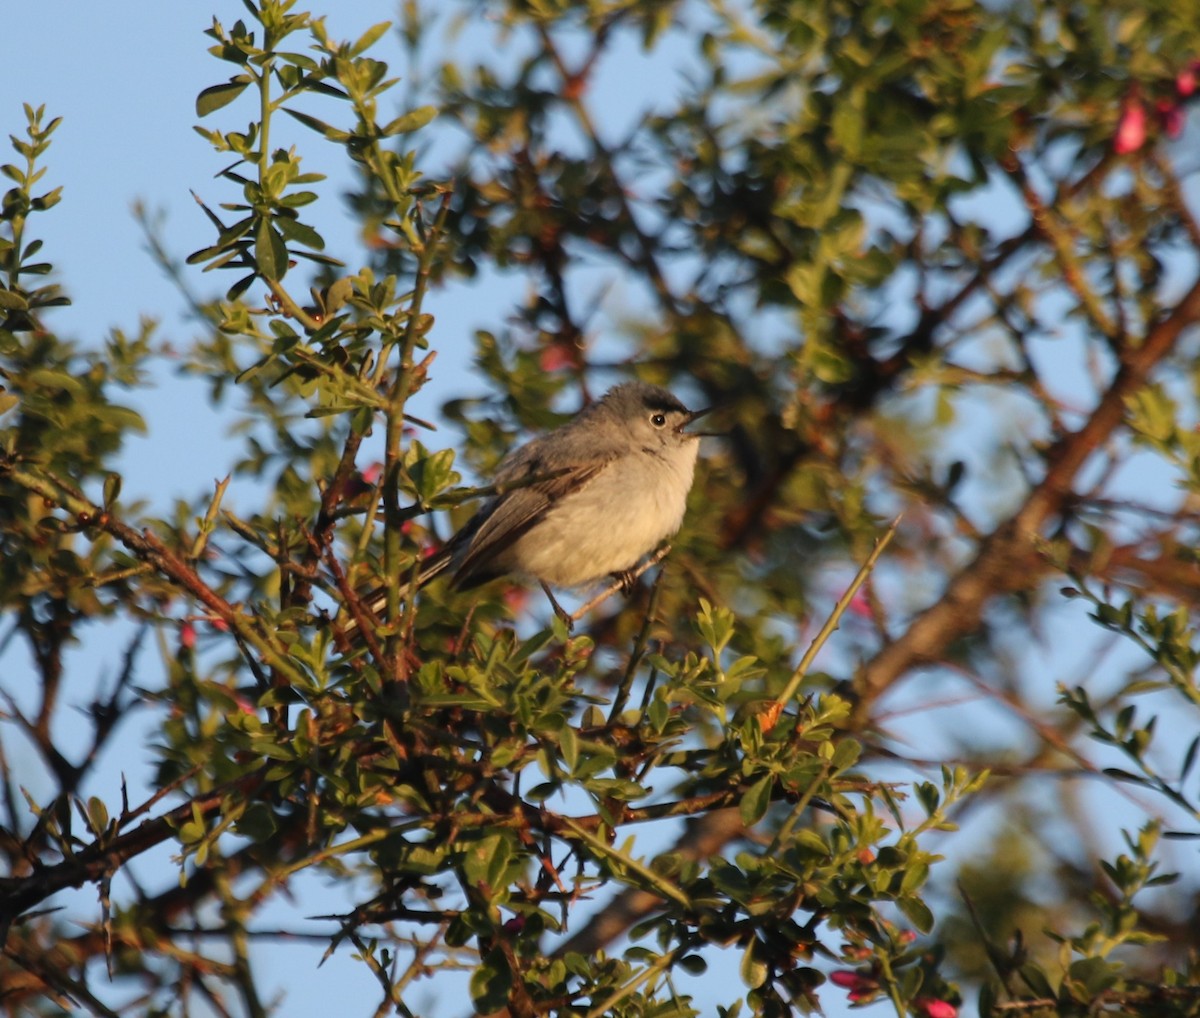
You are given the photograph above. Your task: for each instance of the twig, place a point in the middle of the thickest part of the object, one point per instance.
(835, 616)
(623, 583)
(636, 655)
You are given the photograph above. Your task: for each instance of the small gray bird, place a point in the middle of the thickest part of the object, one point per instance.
(616, 481)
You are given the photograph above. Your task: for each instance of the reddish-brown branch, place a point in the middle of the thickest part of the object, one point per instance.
(1009, 559)
(105, 856)
(704, 837)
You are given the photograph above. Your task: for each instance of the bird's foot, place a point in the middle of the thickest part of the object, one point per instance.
(627, 579)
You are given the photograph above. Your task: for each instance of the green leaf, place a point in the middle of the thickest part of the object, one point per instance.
(371, 36)
(112, 489)
(754, 970)
(270, 253)
(46, 201)
(292, 229)
(1096, 975)
(12, 301)
(846, 755)
(847, 124)
(339, 292)
(917, 913)
(298, 199)
(1189, 758)
(491, 982)
(1035, 978)
(97, 814)
(257, 823)
(119, 417)
(241, 286)
(754, 803)
(299, 60)
(987, 1001)
(715, 626)
(568, 741)
(328, 130)
(216, 96)
(482, 856)
(928, 795)
(431, 473)
(414, 120)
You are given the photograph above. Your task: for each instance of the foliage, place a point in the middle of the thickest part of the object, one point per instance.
(887, 240)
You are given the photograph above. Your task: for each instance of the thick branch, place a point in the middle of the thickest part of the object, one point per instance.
(1008, 559)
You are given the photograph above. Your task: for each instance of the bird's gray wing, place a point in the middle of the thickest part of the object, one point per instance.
(516, 512)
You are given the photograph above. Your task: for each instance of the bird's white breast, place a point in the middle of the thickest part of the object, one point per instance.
(620, 515)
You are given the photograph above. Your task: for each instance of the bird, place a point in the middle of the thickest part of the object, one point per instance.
(580, 503)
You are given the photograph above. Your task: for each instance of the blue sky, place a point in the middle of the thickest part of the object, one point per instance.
(125, 87)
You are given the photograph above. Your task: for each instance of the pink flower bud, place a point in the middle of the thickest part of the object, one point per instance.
(1170, 115)
(515, 598)
(861, 606)
(1185, 80)
(555, 357)
(935, 1008)
(861, 987)
(1131, 128)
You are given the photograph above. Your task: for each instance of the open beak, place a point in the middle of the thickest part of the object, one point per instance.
(695, 415)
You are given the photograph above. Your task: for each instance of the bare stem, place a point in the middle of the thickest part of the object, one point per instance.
(620, 584)
(835, 616)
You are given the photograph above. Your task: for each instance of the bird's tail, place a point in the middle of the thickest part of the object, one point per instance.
(374, 601)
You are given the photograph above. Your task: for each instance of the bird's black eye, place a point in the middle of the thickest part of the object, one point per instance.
(658, 420)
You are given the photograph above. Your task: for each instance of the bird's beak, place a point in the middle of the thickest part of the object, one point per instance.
(695, 415)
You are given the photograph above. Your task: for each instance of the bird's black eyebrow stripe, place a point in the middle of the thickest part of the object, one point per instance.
(664, 402)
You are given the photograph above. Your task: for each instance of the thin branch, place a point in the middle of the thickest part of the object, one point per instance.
(623, 583)
(835, 616)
